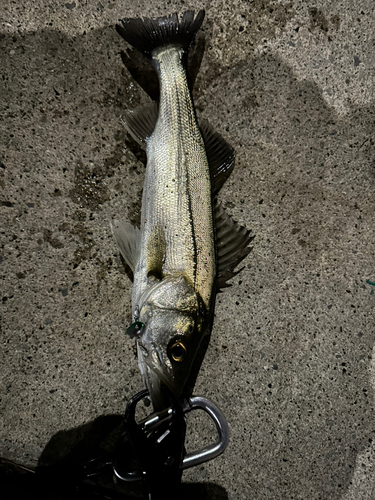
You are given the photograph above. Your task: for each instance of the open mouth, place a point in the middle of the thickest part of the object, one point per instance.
(156, 381)
(151, 380)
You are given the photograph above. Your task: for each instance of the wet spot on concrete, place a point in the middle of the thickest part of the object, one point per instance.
(114, 160)
(79, 215)
(83, 250)
(242, 31)
(336, 21)
(250, 103)
(318, 20)
(90, 189)
(102, 270)
(54, 242)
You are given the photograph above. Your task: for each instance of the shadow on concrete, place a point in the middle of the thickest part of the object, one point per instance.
(67, 460)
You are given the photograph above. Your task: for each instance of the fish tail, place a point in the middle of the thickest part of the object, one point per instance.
(147, 35)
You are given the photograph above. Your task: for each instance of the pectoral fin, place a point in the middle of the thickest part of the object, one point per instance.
(232, 242)
(128, 239)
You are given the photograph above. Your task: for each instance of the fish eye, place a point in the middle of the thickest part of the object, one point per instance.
(178, 351)
(135, 329)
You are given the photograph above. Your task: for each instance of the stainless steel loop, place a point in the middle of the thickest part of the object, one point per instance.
(193, 458)
(211, 451)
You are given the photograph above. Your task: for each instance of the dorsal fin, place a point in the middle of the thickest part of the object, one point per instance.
(220, 155)
(140, 123)
(128, 239)
(232, 242)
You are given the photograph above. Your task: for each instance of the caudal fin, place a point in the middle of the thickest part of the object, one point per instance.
(146, 35)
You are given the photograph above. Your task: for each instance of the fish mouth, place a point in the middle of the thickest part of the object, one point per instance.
(159, 384)
(155, 389)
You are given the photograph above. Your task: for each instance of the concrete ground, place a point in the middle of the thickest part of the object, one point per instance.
(291, 362)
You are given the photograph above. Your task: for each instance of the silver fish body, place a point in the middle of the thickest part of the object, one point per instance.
(173, 256)
(176, 226)
(177, 239)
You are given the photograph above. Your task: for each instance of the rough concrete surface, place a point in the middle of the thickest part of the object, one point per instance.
(291, 362)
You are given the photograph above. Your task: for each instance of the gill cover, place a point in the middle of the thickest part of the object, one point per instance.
(174, 321)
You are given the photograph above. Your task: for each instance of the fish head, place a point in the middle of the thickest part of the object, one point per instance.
(172, 330)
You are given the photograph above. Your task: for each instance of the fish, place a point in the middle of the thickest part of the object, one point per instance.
(187, 247)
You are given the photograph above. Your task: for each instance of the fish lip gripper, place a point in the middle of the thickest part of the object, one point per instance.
(156, 445)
